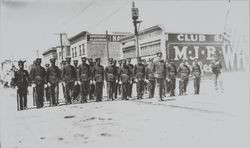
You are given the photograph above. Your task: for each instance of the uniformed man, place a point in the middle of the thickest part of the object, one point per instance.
(47, 91)
(130, 85)
(125, 79)
(139, 73)
(98, 79)
(53, 79)
(117, 78)
(196, 72)
(21, 80)
(119, 86)
(216, 69)
(76, 91)
(38, 79)
(171, 77)
(69, 77)
(63, 85)
(150, 78)
(167, 82)
(92, 85)
(84, 78)
(110, 76)
(183, 72)
(160, 74)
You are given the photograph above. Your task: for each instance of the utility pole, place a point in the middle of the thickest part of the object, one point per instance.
(61, 34)
(37, 53)
(107, 39)
(135, 16)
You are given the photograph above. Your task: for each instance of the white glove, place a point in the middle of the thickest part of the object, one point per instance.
(147, 81)
(48, 84)
(45, 85)
(168, 79)
(116, 81)
(33, 85)
(79, 82)
(120, 82)
(135, 80)
(93, 82)
(75, 82)
(131, 82)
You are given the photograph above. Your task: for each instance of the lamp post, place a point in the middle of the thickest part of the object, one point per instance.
(135, 16)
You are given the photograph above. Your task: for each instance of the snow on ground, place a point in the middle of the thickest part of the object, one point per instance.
(206, 120)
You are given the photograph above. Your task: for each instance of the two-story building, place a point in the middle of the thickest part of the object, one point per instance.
(151, 41)
(49, 54)
(95, 46)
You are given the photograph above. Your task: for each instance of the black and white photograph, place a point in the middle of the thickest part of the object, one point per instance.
(124, 74)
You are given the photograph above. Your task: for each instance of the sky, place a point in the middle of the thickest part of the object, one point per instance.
(30, 25)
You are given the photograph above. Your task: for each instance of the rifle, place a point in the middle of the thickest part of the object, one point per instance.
(50, 95)
(18, 100)
(34, 96)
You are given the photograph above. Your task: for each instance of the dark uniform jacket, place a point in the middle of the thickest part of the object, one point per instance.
(196, 70)
(98, 73)
(21, 78)
(69, 74)
(38, 75)
(171, 70)
(139, 72)
(183, 71)
(125, 74)
(216, 68)
(110, 73)
(131, 68)
(150, 72)
(84, 72)
(159, 69)
(53, 74)
(91, 66)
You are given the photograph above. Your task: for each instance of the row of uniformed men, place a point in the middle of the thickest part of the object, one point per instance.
(153, 73)
(88, 75)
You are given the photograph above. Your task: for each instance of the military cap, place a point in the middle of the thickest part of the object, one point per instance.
(139, 59)
(120, 61)
(38, 59)
(110, 59)
(97, 59)
(20, 62)
(85, 58)
(75, 61)
(47, 65)
(53, 60)
(128, 59)
(90, 59)
(159, 53)
(68, 58)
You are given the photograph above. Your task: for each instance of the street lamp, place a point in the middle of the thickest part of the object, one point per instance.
(135, 16)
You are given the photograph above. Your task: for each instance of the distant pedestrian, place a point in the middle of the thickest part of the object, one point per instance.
(216, 69)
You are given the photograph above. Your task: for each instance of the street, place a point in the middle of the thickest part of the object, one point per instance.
(208, 120)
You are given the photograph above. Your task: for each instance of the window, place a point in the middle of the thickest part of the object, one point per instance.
(80, 50)
(83, 49)
(75, 52)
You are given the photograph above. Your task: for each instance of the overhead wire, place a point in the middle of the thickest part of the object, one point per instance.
(81, 11)
(108, 16)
